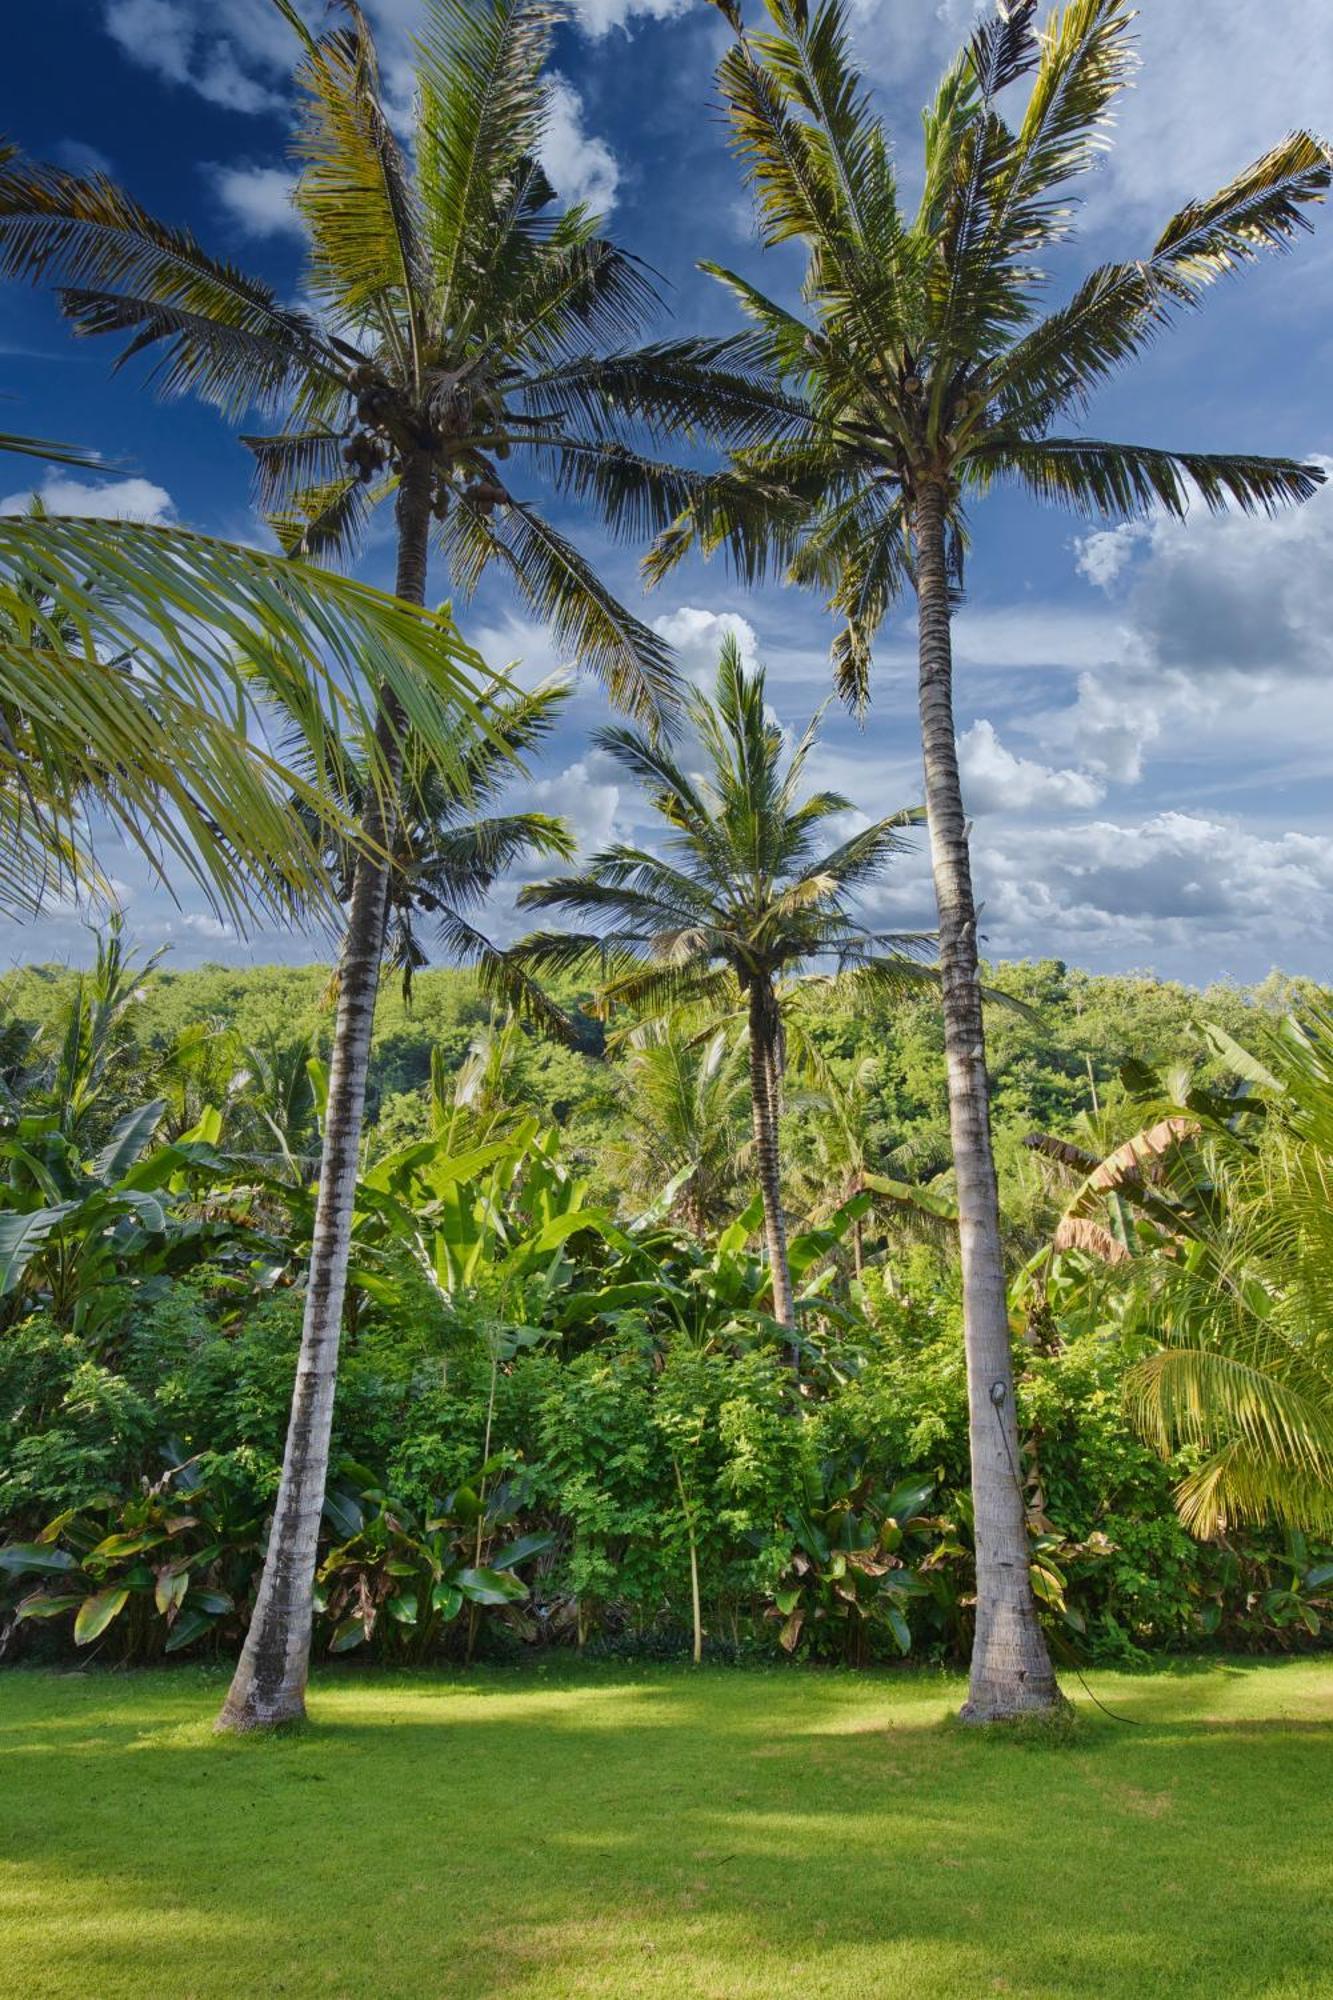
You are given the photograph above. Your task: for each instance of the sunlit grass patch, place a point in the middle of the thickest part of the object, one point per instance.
(620, 1831)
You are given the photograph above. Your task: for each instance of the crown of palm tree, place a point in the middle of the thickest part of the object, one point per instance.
(741, 894)
(922, 356)
(456, 311)
(449, 852)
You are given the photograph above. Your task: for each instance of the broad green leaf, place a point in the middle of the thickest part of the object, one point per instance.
(491, 1586)
(44, 1604)
(347, 1635)
(520, 1550)
(191, 1625)
(24, 1558)
(96, 1613)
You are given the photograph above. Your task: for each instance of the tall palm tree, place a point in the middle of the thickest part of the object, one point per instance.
(741, 899)
(461, 317)
(927, 375)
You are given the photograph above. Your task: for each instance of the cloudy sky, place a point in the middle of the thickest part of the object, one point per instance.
(1145, 712)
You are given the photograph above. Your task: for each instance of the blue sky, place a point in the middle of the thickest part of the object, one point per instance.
(1145, 714)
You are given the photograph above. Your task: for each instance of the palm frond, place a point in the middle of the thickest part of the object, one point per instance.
(86, 235)
(368, 260)
(561, 587)
(143, 661)
(1137, 479)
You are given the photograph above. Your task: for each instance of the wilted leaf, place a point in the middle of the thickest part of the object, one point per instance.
(96, 1613)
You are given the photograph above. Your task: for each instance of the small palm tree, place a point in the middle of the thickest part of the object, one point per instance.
(448, 854)
(462, 319)
(927, 376)
(684, 1100)
(740, 901)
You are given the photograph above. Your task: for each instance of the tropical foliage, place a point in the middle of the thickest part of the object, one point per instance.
(738, 904)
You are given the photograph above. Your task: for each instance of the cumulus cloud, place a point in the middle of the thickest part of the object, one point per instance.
(1187, 881)
(696, 637)
(258, 199)
(598, 17)
(115, 500)
(995, 780)
(587, 794)
(580, 169)
(227, 52)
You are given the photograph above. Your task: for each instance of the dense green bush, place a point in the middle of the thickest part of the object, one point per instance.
(632, 1449)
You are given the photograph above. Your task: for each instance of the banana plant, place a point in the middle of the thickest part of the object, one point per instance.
(75, 1231)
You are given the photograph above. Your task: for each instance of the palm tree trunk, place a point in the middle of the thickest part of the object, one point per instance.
(764, 1107)
(268, 1687)
(1011, 1669)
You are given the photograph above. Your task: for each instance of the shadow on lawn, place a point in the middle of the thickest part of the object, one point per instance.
(508, 1836)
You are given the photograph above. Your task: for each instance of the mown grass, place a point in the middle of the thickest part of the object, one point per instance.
(622, 1832)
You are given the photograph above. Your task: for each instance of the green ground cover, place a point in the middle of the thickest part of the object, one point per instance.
(630, 1830)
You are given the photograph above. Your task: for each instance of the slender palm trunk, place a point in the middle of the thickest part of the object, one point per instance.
(1011, 1669)
(764, 1095)
(269, 1684)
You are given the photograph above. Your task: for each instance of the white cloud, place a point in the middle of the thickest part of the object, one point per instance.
(587, 794)
(995, 780)
(116, 500)
(225, 51)
(579, 168)
(205, 926)
(598, 17)
(1175, 880)
(259, 199)
(696, 636)
(1104, 555)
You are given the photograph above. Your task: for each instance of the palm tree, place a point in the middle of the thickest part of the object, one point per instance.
(740, 901)
(447, 855)
(927, 376)
(684, 1095)
(461, 318)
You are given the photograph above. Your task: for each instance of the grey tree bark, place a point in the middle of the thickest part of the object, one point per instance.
(268, 1687)
(1011, 1670)
(764, 1102)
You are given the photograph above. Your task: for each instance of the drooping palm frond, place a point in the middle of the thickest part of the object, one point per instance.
(111, 256)
(563, 589)
(138, 667)
(1136, 479)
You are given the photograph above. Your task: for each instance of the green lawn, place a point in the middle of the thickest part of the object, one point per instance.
(630, 1831)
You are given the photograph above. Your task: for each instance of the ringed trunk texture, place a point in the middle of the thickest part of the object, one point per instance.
(1011, 1669)
(268, 1687)
(764, 1099)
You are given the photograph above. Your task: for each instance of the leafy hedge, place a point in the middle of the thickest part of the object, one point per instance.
(832, 1520)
